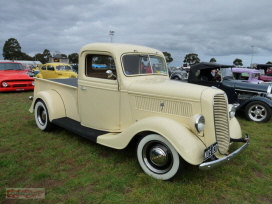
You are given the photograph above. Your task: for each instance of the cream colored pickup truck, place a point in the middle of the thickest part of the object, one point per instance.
(132, 97)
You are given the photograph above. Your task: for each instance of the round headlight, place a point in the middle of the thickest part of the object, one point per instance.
(33, 83)
(4, 84)
(200, 123)
(232, 111)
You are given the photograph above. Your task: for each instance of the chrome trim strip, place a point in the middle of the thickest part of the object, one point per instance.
(259, 92)
(218, 162)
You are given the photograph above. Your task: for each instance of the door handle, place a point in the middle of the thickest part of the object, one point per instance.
(82, 87)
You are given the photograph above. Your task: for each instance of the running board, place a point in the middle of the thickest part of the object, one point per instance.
(75, 127)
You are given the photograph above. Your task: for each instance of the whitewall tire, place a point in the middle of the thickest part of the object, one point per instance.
(41, 116)
(158, 158)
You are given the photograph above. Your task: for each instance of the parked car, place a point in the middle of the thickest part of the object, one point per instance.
(56, 71)
(254, 99)
(36, 69)
(247, 75)
(99, 66)
(13, 77)
(266, 72)
(177, 74)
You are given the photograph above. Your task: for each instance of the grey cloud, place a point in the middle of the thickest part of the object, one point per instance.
(216, 28)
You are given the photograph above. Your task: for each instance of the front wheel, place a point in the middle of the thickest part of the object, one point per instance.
(41, 116)
(258, 111)
(176, 78)
(158, 158)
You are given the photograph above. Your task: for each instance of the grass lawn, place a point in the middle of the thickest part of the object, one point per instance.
(75, 170)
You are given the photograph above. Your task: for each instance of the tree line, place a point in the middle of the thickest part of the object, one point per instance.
(12, 51)
(192, 58)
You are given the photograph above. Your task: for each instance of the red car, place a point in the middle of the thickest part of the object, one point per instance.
(14, 78)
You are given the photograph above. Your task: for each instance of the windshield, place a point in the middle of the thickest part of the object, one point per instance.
(144, 64)
(64, 68)
(11, 66)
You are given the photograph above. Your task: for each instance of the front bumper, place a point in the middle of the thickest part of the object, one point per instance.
(218, 162)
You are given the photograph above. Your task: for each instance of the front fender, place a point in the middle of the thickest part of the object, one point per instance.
(187, 144)
(53, 102)
(257, 98)
(39, 75)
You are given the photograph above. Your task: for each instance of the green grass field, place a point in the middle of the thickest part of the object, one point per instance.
(75, 170)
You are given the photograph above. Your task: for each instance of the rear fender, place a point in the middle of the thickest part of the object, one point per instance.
(187, 144)
(53, 102)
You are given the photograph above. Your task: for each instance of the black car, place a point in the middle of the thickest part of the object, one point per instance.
(254, 99)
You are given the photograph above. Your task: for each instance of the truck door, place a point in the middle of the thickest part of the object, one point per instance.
(98, 95)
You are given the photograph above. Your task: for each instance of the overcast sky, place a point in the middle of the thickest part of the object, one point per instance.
(220, 29)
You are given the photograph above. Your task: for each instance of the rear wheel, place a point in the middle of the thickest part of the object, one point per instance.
(42, 117)
(158, 158)
(258, 111)
(176, 78)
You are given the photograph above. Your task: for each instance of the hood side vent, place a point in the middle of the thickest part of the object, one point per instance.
(164, 106)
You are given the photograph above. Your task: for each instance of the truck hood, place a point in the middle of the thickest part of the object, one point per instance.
(161, 87)
(14, 75)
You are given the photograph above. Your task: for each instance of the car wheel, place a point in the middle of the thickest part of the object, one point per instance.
(258, 111)
(158, 158)
(41, 116)
(176, 78)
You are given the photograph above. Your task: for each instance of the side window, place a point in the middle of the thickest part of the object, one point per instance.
(43, 67)
(97, 65)
(50, 68)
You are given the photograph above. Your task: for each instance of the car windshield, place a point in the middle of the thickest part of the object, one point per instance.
(144, 64)
(11, 66)
(64, 68)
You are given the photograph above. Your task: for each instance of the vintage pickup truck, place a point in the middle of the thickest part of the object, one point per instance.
(173, 122)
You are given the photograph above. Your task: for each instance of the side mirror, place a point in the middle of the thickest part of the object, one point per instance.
(110, 74)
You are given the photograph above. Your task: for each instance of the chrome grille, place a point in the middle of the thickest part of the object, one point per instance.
(221, 123)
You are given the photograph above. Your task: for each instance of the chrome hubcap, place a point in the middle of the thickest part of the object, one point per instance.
(157, 157)
(41, 115)
(257, 113)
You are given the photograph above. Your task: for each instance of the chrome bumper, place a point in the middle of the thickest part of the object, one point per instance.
(218, 162)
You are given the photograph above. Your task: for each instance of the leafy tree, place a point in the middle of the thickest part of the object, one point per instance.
(40, 57)
(168, 57)
(63, 55)
(73, 58)
(238, 62)
(11, 49)
(25, 56)
(47, 55)
(212, 60)
(269, 62)
(191, 59)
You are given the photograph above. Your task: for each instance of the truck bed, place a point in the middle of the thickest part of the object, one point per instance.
(68, 81)
(60, 86)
